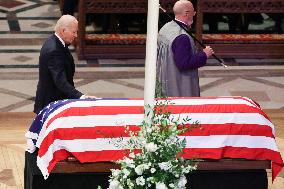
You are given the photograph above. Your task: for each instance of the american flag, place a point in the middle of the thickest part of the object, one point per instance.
(232, 127)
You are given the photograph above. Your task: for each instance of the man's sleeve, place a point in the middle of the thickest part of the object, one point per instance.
(184, 57)
(55, 65)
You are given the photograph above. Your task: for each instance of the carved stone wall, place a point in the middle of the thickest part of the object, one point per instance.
(121, 6)
(242, 6)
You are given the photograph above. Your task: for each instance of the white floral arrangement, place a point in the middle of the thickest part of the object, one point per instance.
(158, 162)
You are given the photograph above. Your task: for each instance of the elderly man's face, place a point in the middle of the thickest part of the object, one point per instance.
(70, 33)
(189, 13)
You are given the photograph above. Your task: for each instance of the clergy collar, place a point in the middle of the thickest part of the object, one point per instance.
(60, 39)
(181, 22)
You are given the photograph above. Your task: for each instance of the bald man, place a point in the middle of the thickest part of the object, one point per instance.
(56, 65)
(178, 60)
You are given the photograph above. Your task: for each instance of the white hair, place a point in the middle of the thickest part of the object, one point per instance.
(64, 22)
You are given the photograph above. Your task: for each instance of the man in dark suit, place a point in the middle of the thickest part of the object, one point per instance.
(56, 65)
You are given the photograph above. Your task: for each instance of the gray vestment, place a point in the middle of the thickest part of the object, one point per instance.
(173, 81)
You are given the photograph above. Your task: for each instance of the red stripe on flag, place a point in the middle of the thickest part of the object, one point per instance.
(90, 156)
(97, 110)
(58, 156)
(238, 152)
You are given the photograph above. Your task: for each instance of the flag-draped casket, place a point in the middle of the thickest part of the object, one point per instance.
(89, 130)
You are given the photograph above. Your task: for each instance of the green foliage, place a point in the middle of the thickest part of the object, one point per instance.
(158, 90)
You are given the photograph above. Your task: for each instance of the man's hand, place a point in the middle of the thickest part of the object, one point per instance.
(208, 51)
(88, 96)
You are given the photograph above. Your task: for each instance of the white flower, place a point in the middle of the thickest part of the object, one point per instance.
(152, 170)
(146, 166)
(151, 147)
(171, 185)
(182, 182)
(126, 173)
(130, 183)
(161, 185)
(171, 140)
(114, 184)
(132, 155)
(115, 172)
(139, 169)
(129, 162)
(156, 128)
(165, 165)
(149, 129)
(140, 181)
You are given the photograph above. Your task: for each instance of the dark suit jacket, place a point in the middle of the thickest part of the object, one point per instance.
(56, 71)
